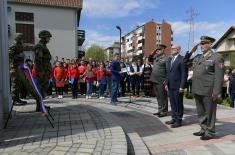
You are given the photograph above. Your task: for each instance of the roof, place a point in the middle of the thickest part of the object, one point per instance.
(224, 36)
(77, 4)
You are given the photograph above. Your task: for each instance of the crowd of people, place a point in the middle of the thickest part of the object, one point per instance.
(92, 78)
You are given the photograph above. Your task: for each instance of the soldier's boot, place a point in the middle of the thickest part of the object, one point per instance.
(21, 101)
(18, 102)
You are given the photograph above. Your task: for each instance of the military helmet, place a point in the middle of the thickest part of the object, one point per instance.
(19, 36)
(44, 34)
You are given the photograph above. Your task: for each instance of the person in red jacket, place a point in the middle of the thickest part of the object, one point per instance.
(60, 78)
(89, 79)
(66, 83)
(74, 77)
(50, 83)
(102, 80)
(82, 69)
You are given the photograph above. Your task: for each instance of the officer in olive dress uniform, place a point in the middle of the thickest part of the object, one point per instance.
(42, 63)
(158, 77)
(16, 57)
(207, 80)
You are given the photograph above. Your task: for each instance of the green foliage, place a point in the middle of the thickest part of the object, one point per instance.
(96, 53)
(224, 102)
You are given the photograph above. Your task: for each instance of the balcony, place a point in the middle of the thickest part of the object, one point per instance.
(81, 37)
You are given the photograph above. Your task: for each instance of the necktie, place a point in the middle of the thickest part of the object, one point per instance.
(172, 61)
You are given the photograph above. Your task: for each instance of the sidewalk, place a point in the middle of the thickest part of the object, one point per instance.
(94, 126)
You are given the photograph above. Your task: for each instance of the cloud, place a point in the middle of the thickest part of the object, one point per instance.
(116, 8)
(215, 29)
(94, 37)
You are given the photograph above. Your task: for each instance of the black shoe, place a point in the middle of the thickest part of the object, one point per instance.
(170, 122)
(156, 114)
(198, 133)
(204, 137)
(21, 101)
(176, 125)
(162, 115)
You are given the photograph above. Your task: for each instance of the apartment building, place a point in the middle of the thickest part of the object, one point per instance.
(114, 48)
(143, 39)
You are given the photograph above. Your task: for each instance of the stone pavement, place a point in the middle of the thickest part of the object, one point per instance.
(94, 126)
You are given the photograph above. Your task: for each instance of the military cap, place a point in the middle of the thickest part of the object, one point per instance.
(207, 39)
(19, 36)
(160, 46)
(44, 34)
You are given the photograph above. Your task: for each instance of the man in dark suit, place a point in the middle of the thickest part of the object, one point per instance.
(175, 84)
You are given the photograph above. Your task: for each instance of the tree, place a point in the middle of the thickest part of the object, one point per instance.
(96, 53)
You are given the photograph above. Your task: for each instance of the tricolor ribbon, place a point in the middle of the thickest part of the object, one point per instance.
(35, 88)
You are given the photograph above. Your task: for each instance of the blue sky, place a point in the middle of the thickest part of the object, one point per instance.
(99, 18)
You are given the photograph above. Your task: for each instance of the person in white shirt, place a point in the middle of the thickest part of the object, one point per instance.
(189, 81)
(135, 72)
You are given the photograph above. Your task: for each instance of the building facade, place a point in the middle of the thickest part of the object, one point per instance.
(142, 40)
(226, 47)
(60, 18)
(115, 48)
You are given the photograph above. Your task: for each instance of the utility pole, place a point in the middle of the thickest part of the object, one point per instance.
(192, 14)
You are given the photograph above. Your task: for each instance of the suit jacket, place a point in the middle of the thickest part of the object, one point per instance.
(208, 73)
(176, 73)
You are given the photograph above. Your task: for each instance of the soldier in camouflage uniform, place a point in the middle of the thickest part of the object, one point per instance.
(158, 77)
(207, 80)
(42, 62)
(16, 57)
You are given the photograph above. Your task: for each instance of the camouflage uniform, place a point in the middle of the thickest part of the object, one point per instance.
(16, 57)
(42, 62)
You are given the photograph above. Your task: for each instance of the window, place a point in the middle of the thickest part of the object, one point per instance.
(24, 16)
(139, 41)
(25, 25)
(28, 32)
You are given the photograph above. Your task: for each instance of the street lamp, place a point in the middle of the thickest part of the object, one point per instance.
(120, 30)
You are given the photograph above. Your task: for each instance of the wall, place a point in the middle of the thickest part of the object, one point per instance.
(150, 38)
(61, 22)
(227, 44)
(166, 37)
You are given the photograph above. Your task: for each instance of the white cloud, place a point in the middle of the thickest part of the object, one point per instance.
(116, 8)
(94, 37)
(215, 29)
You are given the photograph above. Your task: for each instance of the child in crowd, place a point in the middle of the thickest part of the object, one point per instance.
(66, 83)
(82, 69)
(60, 78)
(74, 77)
(89, 79)
(102, 80)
